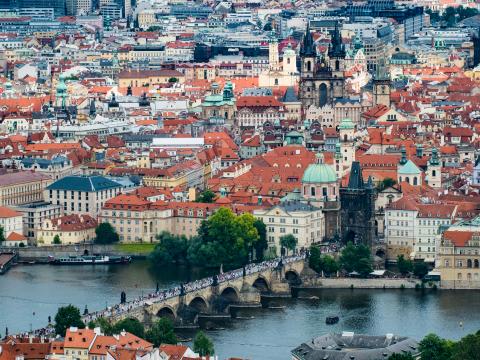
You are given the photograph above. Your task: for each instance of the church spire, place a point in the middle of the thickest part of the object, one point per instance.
(308, 47)
(336, 49)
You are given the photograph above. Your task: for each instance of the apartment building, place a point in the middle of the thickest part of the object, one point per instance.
(22, 187)
(82, 194)
(300, 219)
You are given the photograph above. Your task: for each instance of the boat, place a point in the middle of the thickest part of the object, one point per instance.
(330, 320)
(89, 260)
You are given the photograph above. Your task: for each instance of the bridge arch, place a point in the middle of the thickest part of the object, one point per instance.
(261, 284)
(230, 294)
(199, 304)
(166, 312)
(292, 277)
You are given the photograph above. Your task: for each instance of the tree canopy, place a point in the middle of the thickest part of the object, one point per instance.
(356, 258)
(130, 325)
(405, 266)
(288, 242)
(207, 196)
(203, 345)
(225, 238)
(319, 262)
(106, 234)
(171, 249)
(66, 317)
(161, 333)
(56, 240)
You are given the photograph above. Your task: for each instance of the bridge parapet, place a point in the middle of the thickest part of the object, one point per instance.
(203, 296)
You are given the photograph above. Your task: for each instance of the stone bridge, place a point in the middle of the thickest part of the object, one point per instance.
(216, 300)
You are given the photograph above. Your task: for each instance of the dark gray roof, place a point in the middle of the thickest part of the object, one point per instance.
(296, 205)
(290, 95)
(83, 183)
(349, 346)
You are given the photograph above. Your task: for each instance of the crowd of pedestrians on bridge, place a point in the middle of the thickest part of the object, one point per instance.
(182, 289)
(162, 295)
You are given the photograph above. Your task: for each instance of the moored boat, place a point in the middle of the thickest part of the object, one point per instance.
(89, 260)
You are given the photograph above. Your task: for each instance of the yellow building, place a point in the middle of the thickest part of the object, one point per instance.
(458, 256)
(78, 342)
(22, 187)
(71, 229)
(140, 78)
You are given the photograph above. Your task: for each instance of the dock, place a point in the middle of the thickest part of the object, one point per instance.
(7, 259)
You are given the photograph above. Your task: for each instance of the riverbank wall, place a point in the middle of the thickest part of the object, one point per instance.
(42, 253)
(347, 283)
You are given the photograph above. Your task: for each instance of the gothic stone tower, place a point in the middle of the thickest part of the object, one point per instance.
(321, 80)
(357, 211)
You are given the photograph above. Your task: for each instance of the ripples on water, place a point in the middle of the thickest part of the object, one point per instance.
(40, 289)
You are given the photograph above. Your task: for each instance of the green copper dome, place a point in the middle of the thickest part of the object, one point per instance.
(319, 173)
(346, 124)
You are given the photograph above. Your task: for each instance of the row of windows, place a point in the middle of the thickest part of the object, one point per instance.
(283, 220)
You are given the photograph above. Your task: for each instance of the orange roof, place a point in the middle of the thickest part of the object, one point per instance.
(79, 338)
(458, 238)
(6, 212)
(15, 237)
(53, 146)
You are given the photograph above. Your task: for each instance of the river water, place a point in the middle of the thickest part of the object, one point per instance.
(29, 294)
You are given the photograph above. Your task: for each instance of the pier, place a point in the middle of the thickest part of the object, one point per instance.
(7, 259)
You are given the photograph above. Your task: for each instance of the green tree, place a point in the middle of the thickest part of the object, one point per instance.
(154, 28)
(66, 317)
(314, 260)
(420, 269)
(289, 242)
(356, 258)
(449, 16)
(106, 234)
(103, 324)
(405, 266)
(329, 264)
(364, 266)
(130, 325)
(468, 348)
(261, 245)
(207, 196)
(56, 240)
(171, 249)
(203, 345)
(2, 235)
(161, 333)
(224, 238)
(432, 347)
(172, 80)
(386, 183)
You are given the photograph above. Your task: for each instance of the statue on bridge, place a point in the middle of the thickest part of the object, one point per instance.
(215, 280)
(182, 289)
(123, 297)
(244, 271)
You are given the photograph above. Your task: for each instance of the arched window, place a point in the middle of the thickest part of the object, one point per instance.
(337, 65)
(276, 82)
(312, 191)
(415, 181)
(345, 138)
(475, 263)
(434, 172)
(288, 60)
(407, 179)
(469, 263)
(309, 65)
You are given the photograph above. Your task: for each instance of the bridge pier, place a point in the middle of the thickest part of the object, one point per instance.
(217, 301)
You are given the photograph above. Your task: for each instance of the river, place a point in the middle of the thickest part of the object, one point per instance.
(29, 294)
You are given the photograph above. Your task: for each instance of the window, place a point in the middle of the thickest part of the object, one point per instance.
(282, 230)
